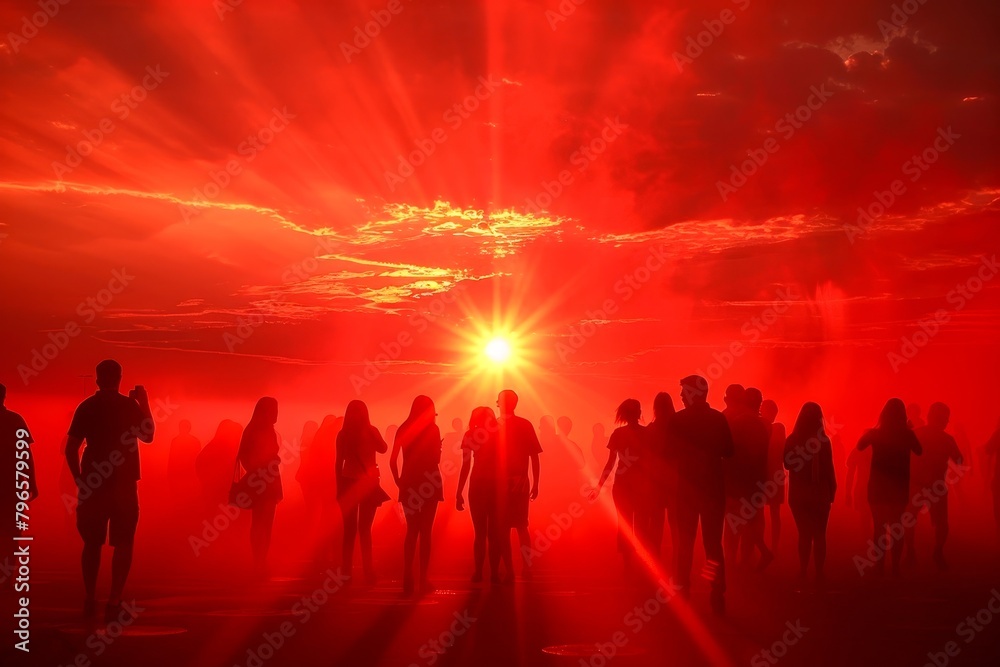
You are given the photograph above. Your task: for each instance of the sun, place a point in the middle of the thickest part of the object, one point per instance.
(498, 350)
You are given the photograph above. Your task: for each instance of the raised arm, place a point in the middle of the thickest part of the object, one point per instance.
(147, 425)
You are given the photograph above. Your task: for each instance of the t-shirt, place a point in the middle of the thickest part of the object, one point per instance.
(631, 443)
(889, 482)
(703, 439)
(10, 424)
(518, 442)
(108, 422)
(931, 466)
(748, 466)
(485, 451)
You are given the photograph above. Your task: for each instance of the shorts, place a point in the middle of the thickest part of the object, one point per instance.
(517, 508)
(109, 514)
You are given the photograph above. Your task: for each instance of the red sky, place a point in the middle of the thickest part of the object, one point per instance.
(331, 260)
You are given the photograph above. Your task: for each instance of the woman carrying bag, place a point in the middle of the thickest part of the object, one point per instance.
(358, 490)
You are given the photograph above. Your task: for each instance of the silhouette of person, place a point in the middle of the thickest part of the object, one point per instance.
(565, 425)
(487, 495)
(746, 474)
(775, 468)
(259, 456)
(390, 432)
(812, 485)
(663, 473)
(891, 443)
(317, 476)
(19, 466)
(859, 466)
(107, 478)
(598, 443)
(181, 460)
(214, 464)
(629, 446)
(914, 416)
(930, 481)
(547, 436)
(421, 486)
(318, 459)
(519, 446)
(992, 449)
(703, 440)
(453, 439)
(13, 430)
(359, 491)
(305, 443)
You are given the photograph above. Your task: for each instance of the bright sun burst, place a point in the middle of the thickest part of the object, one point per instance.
(498, 350)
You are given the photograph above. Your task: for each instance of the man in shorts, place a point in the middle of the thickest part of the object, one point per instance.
(107, 478)
(519, 445)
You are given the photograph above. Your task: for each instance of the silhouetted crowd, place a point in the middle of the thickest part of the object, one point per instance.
(726, 471)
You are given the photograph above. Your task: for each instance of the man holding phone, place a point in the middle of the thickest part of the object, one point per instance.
(107, 478)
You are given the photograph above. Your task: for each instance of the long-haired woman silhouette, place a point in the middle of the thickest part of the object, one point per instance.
(420, 484)
(891, 443)
(358, 491)
(258, 453)
(812, 485)
(487, 494)
(628, 445)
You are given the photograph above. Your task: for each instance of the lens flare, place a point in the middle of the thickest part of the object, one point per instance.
(498, 350)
